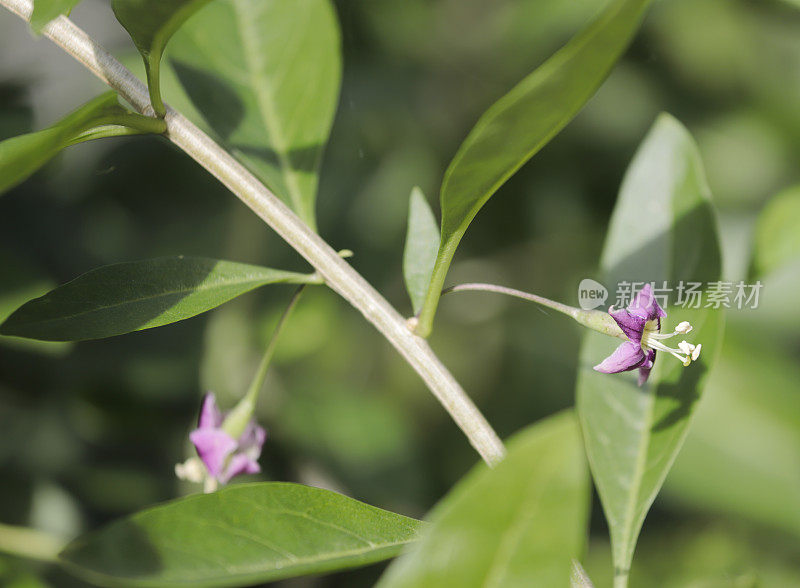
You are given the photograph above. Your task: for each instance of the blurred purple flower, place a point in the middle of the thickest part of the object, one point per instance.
(222, 455)
(641, 324)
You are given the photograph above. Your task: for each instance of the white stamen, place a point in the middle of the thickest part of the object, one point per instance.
(192, 470)
(651, 339)
(682, 328)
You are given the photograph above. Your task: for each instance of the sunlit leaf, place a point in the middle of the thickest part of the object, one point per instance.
(522, 122)
(21, 156)
(46, 10)
(267, 85)
(663, 228)
(777, 238)
(422, 243)
(520, 524)
(124, 297)
(242, 535)
(151, 23)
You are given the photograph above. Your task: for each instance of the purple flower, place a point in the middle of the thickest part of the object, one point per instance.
(641, 324)
(222, 455)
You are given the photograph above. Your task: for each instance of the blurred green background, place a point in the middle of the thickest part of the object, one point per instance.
(91, 431)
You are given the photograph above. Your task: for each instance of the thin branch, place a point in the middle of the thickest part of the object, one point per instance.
(338, 274)
(476, 287)
(594, 319)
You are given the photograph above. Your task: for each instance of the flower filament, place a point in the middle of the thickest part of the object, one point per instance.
(686, 352)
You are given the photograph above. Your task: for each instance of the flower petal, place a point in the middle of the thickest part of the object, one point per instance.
(239, 464)
(252, 438)
(647, 365)
(645, 305)
(626, 357)
(631, 325)
(213, 446)
(210, 415)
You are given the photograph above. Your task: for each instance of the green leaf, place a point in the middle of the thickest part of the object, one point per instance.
(125, 297)
(663, 228)
(521, 123)
(777, 239)
(244, 534)
(21, 156)
(422, 243)
(520, 524)
(151, 23)
(268, 85)
(46, 10)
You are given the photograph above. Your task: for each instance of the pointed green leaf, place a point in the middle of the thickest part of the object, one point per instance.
(104, 116)
(521, 123)
(777, 238)
(422, 243)
(268, 85)
(242, 535)
(520, 524)
(663, 228)
(151, 24)
(125, 297)
(46, 10)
